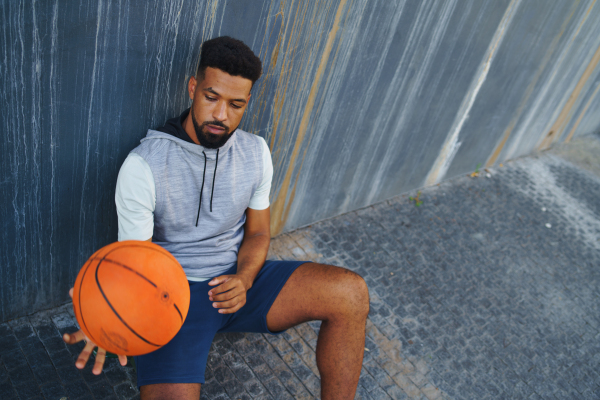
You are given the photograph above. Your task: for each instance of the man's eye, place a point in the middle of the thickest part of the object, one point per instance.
(235, 105)
(210, 98)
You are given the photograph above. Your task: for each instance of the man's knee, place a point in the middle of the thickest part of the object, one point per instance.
(355, 294)
(320, 292)
(360, 295)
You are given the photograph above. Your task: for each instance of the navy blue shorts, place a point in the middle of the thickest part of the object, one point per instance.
(183, 359)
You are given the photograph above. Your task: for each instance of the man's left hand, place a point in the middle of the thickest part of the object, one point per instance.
(230, 294)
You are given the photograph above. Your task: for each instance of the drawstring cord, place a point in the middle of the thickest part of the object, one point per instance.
(202, 187)
(214, 176)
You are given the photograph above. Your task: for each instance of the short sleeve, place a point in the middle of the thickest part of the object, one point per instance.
(260, 200)
(135, 198)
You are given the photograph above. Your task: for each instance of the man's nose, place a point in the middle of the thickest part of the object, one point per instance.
(220, 111)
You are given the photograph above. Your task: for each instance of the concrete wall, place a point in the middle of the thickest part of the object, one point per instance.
(360, 100)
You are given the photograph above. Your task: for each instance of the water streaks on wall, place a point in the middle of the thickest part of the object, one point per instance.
(566, 114)
(360, 100)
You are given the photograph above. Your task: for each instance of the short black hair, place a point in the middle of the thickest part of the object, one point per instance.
(229, 55)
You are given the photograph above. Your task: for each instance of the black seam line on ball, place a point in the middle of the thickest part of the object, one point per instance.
(115, 311)
(177, 308)
(130, 269)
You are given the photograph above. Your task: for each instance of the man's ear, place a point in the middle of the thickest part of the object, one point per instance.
(192, 86)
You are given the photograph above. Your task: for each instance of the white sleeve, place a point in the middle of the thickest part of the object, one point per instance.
(260, 200)
(135, 198)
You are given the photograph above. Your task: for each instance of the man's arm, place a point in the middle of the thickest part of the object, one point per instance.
(135, 201)
(230, 294)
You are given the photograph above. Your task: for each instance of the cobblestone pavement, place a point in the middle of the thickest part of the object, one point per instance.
(487, 290)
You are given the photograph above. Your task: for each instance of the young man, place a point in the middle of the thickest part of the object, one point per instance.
(199, 187)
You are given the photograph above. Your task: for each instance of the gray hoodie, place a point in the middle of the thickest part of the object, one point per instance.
(201, 197)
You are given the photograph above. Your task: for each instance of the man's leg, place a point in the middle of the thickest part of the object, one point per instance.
(170, 391)
(340, 299)
(183, 359)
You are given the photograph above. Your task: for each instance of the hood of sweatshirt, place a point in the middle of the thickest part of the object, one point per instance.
(173, 130)
(200, 151)
(174, 126)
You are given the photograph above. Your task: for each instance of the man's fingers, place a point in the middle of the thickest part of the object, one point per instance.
(219, 279)
(236, 291)
(230, 303)
(122, 359)
(226, 304)
(75, 337)
(84, 356)
(231, 310)
(71, 292)
(224, 288)
(227, 285)
(100, 358)
(229, 296)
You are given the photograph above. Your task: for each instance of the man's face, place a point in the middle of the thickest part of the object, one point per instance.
(219, 102)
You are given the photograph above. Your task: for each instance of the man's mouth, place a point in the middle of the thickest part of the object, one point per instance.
(215, 129)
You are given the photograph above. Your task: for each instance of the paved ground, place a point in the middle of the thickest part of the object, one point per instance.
(488, 290)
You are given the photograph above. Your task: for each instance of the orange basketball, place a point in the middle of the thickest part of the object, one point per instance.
(131, 297)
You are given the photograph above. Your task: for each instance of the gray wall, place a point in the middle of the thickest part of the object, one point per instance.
(360, 100)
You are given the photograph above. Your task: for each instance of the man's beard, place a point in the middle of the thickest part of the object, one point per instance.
(211, 140)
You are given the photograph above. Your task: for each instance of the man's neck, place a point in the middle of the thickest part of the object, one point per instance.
(188, 126)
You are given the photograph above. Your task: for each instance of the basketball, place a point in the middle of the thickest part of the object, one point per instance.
(131, 297)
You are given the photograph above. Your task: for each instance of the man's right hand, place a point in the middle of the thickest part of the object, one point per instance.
(76, 337)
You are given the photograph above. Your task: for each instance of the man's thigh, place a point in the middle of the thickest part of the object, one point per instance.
(317, 292)
(183, 359)
(170, 391)
(252, 317)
